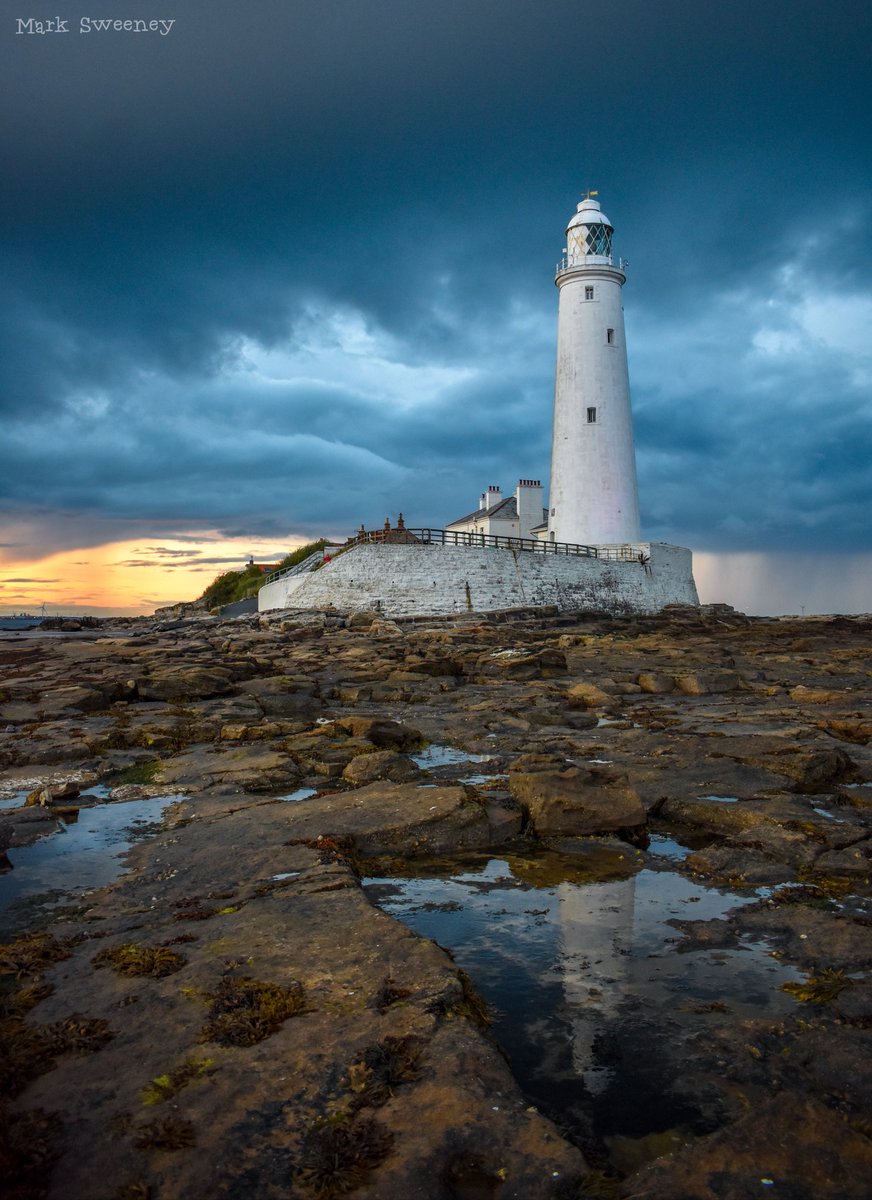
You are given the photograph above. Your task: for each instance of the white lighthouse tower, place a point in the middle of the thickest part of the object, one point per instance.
(594, 496)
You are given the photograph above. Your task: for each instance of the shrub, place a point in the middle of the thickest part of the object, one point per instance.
(297, 556)
(232, 586)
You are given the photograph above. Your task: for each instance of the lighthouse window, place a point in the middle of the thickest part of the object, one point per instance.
(610, 336)
(589, 239)
(591, 416)
(598, 239)
(588, 293)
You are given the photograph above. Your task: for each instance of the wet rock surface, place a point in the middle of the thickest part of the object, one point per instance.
(234, 1017)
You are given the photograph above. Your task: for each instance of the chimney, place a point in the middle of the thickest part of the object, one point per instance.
(492, 496)
(528, 497)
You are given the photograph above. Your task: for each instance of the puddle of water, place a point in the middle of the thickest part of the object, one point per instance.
(79, 856)
(96, 791)
(667, 847)
(584, 976)
(473, 779)
(285, 875)
(15, 801)
(776, 889)
(721, 799)
(299, 794)
(822, 812)
(437, 755)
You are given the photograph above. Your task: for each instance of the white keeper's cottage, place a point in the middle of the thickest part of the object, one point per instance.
(520, 515)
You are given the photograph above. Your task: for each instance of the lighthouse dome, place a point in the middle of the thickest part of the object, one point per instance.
(589, 213)
(589, 234)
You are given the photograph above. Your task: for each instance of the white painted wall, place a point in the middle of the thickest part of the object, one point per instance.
(418, 579)
(594, 493)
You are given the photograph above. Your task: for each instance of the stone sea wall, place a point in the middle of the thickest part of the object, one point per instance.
(407, 580)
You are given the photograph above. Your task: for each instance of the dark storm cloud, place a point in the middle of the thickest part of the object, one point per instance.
(289, 268)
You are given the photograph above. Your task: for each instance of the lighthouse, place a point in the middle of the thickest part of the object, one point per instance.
(509, 552)
(594, 495)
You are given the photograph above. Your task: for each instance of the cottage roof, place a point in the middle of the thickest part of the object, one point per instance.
(506, 510)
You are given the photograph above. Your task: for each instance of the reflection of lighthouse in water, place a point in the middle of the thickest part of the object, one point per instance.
(596, 939)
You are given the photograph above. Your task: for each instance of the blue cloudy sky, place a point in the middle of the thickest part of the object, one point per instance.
(290, 268)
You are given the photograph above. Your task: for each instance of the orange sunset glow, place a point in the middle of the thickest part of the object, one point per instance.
(127, 578)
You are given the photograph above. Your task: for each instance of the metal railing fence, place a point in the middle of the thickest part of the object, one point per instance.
(473, 541)
(453, 537)
(308, 564)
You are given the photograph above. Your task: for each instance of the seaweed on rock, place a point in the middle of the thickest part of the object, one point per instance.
(468, 1004)
(27, 1051)
(164, 1087)
(390, 993)
(132, 959)
(245, 1011)
(165, 1133)
(381, 1068)
(337, 1157)
(820, 988)
(32, 953)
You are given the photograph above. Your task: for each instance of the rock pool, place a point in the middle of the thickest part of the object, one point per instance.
(82, 853)
(592, 988)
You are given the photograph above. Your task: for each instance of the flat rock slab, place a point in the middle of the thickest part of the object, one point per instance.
(766, 1154)
(396, 818)
(382, 764)
(191, 683)
(731, 815)
(696, 774)
(577, 801)
(383, 1046)
(809, 937)
(254, 768)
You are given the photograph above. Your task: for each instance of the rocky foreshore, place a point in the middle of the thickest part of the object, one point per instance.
(234, 1017)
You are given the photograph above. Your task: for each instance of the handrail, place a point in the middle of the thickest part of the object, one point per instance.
(453, 537)
(308, 564)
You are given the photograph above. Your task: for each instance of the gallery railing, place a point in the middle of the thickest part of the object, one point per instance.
(575, 262)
